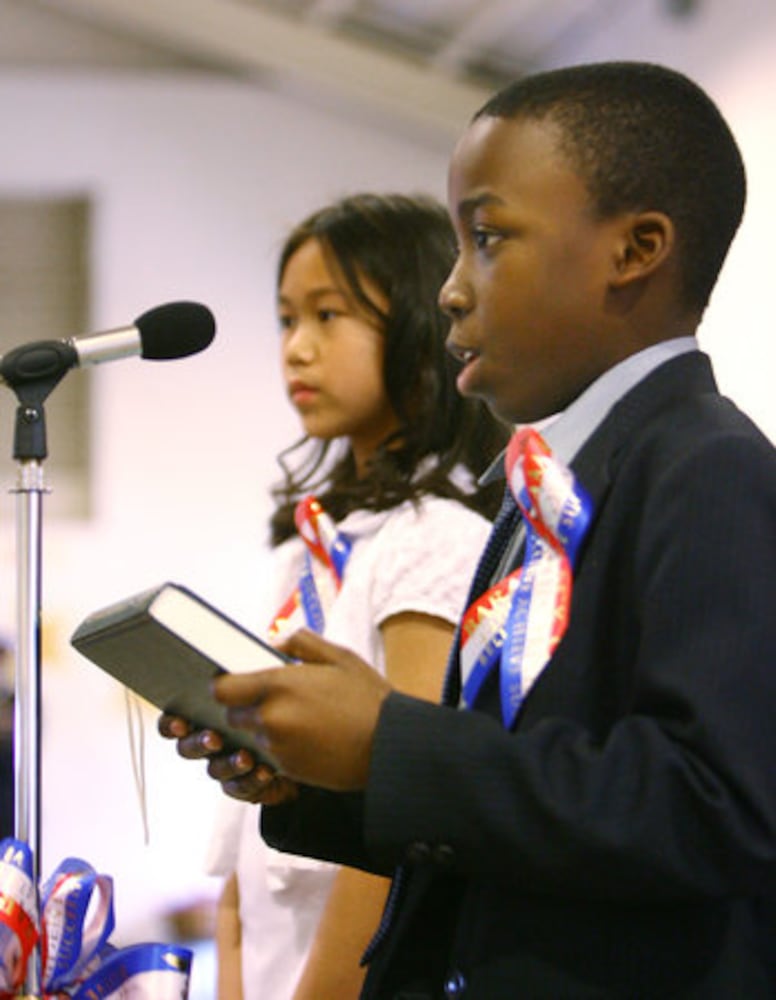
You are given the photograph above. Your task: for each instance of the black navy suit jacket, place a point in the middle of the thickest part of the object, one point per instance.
(620, 841)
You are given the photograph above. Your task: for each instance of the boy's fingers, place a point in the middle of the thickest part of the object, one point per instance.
(244, 689)
(309, 647)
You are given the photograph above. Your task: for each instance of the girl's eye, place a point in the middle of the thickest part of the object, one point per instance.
(326, 315)
(285, 321)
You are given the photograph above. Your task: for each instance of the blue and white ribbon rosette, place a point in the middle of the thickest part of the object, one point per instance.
(77, 919)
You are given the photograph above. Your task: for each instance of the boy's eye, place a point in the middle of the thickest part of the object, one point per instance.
(285, 321)
(483, 238)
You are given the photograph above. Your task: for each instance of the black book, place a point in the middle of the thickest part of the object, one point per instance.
(167, 644)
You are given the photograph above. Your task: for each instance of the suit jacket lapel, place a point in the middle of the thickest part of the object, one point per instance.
(673, 382)
(687, 375)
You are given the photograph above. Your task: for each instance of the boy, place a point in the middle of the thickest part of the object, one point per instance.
(612, 831)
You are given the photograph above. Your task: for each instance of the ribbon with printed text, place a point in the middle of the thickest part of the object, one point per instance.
(77, 918)
(516, 625)
(326, 554)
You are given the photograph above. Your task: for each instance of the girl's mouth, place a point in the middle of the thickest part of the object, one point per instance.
(300, 392)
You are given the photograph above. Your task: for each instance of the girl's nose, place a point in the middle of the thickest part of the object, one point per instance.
(299, 343)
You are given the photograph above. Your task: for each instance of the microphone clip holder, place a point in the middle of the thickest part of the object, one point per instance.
(33, 371)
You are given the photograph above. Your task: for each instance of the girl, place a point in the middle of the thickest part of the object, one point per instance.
(378, 561)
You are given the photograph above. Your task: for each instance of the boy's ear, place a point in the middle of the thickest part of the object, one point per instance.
(647, 241)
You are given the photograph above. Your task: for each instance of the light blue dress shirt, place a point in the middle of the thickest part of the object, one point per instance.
(568, 431)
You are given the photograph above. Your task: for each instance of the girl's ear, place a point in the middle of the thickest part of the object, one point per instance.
(647, 241)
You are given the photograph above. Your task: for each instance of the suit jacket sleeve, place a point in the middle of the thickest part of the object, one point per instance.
(324, 825)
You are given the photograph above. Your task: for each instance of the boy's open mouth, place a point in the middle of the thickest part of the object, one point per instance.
(463, 354)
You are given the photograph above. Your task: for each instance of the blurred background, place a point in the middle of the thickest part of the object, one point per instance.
(159, 149)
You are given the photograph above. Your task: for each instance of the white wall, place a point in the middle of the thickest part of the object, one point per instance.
(194, 182)
(730, 50)
(740, 330)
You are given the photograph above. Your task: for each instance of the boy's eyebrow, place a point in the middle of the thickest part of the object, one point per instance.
(468, 206)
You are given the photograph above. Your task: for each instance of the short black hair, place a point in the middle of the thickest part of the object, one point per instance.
(404, 245)
(644, 137)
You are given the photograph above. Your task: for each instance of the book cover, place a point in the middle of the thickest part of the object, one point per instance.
(167, 644)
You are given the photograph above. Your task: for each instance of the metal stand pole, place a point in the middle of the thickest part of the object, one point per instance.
(27, 708)
(32, 372)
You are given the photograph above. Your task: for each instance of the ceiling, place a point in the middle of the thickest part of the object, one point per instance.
(427, 62)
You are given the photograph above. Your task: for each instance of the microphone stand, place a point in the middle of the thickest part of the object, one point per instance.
(32, 372)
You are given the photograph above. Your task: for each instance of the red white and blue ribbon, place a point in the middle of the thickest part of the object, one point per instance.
(326, 555)
(18, 914)
(141, 971)
(516, 626)
(77, 960)
(78, 919)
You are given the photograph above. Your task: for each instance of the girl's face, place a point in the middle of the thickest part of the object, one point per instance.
(332, 354)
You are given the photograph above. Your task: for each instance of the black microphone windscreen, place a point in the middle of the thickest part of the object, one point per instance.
(175, 330)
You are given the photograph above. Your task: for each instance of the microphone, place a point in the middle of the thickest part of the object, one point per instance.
(169, 331)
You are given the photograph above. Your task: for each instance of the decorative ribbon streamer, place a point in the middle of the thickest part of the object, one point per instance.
(77, 919)
(325, 559)
(483, 634)
(517, 624)
(18, 914)
(156, 972)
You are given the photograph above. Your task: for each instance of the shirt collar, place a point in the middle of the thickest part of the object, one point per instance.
(567, 431)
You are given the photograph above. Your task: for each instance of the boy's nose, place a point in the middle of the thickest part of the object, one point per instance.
(454, 301)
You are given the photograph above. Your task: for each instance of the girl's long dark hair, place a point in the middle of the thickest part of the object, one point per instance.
(405, 247)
